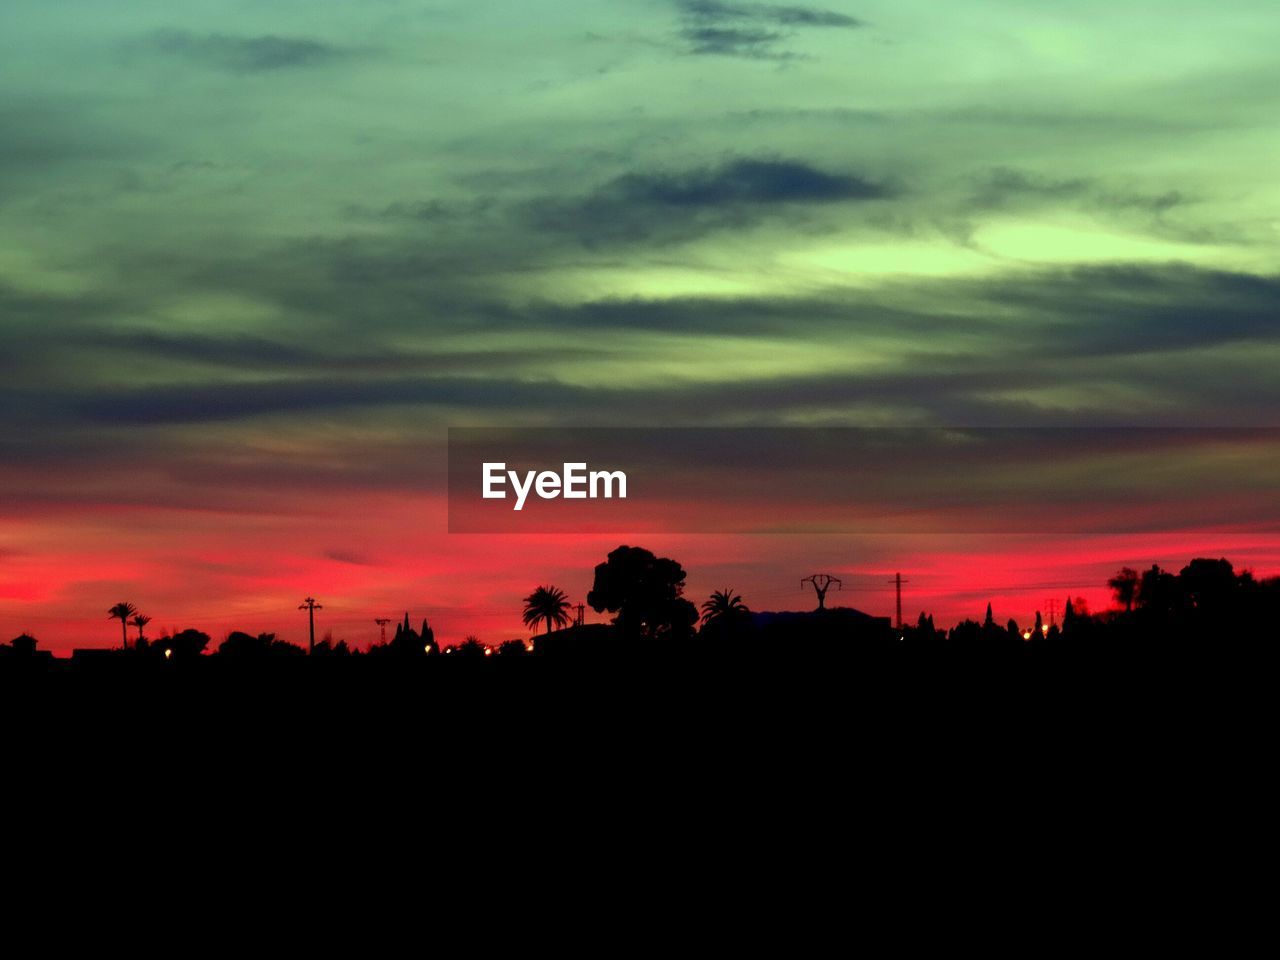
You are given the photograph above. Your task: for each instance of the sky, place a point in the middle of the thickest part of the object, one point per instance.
(257, 257)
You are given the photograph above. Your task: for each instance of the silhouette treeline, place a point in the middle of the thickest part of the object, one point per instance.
(1207, 609)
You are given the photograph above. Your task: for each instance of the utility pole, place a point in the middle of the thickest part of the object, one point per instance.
(310, 605)
(581, 616)
(897, 582)
(382, 627)
(821, 584)
(1053, 612)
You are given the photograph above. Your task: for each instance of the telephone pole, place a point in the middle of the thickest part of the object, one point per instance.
(897, 582)
(1053, 612)
(310, 605)
(581, 617)
(821, 584)
(382, 627)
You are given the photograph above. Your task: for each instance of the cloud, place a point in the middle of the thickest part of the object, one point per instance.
(745, 181)
(753, 31)
(682, 205)
(240, 54)
(210, 402)
(769, 13)
(1005, 187)
(736, 42)
(1081, 346)
(347, 556)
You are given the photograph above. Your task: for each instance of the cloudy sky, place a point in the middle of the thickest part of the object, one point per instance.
(255, 257)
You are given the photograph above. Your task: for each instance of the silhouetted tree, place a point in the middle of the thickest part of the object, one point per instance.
(244, 645)
(1158, 592)
(327, 648)
(1209, 586)
(546, 603)
(471, 647)
(408, 643)
(645, 592)
(122, 611)
(183, 646)
(513, 648)
(428, 639)
(725, 617)
(1125, 586)
(140, 620)
(724, 606)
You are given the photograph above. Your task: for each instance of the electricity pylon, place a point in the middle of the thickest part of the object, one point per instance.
(821, 584)
(382, 627)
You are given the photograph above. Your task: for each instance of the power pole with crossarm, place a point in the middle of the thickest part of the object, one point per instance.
(310, 605)
(897, 582)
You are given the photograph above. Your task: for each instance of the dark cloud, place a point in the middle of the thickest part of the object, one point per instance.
(744, 181)
(681, 205)
(1004, 187)
(239, 54)
(735, 42)
(430, 211)
(32, 353)
(769, 13)
(974, 351)
(197, 403)
(347, 556)
(750, 30)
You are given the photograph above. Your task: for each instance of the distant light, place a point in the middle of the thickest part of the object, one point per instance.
(1026, 635)
(488, 651)
(427, 648)
(168, 654)
(529, 647)
(1044, 628)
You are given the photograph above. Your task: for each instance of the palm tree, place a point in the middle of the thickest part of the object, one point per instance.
(546, 603)
(723, 605)
(140, 620)
(122, 611)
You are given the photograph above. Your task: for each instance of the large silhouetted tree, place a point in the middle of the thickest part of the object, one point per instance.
(644, 591)
(140, 621)
(550, 604)
(1209, 586)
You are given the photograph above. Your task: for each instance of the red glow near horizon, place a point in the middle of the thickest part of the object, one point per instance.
(222, 571)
